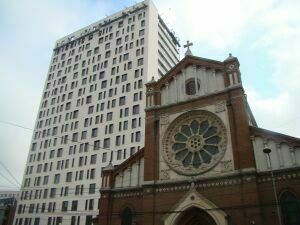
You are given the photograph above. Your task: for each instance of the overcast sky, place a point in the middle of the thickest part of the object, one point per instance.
(264, 35)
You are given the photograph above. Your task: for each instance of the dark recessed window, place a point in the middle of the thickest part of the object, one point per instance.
(190, 87)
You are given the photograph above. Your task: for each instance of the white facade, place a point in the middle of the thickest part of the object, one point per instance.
(92, 112)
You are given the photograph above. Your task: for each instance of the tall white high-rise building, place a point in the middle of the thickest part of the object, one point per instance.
(92, 112)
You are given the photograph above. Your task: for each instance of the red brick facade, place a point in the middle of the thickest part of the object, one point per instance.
(243, 196)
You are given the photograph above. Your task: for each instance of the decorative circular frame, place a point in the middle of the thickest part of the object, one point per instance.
(194, 142)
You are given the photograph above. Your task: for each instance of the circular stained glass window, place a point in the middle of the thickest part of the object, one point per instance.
(194, 142)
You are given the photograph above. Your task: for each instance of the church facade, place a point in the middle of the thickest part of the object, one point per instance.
(204, 160)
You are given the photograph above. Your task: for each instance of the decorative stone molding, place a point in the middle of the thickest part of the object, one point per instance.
(226, 166)
(232, 67)
(164, 119)
(165, 174)
(194, 143)
(125, 194)
(220, 106)
(288, 176)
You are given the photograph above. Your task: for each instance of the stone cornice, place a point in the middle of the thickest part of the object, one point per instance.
(229, 179)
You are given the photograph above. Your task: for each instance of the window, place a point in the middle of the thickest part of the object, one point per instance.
(125, 125)
(80, 174)
(94, 132)
(90, 109)
(140, 62)
(119, 154)
(134, 123)
(135, 97)
(93, 159)
(132, 151)
(103, 84)
(83, 134)
(107, 54)
(135, 109)
(138, 136)
(109, 116)
(96, 145)
(80, 163)
(88, 99)
(126, 112)
(110, 128)
(52, 192)
(74, 205)
(31, 208)
(140, 83)
(96, 50)
(106, 143)
(66, 191)
(190, 87)
(64, 206)
(104, 157)
(89, 53)
(92, 188)
(69, 177)
(92, 175)
(122, 101)
(75, 137)
(118, 140)
(107, 45)
(46, 179)
(125, 56)
(119, 41)
(101, 75)
(52, 153)
(56, 178)
(141, 32)
(59, 152)
(124, 77)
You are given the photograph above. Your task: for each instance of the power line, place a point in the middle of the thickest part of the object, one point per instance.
(9, 173)
(15, 125)
(9, 180)
(62, 137)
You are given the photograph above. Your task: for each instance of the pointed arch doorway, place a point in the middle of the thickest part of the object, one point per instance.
(195, 216)
(194, 209)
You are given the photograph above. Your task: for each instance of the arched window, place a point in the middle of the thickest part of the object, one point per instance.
(190, 86)
(290, 208)
(126, 217)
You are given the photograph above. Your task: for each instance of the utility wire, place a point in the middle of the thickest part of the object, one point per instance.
(9, 180)
(10, 173)
(62, 137)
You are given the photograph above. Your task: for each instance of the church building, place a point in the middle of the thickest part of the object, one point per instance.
(205, 160)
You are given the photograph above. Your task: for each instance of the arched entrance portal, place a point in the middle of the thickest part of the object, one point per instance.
(195, 216)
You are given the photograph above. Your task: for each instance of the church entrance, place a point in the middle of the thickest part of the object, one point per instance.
(195, 216)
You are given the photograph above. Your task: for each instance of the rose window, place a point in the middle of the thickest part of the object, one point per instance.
(194, 142)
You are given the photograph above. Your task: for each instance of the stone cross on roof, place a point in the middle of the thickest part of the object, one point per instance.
(187, 45)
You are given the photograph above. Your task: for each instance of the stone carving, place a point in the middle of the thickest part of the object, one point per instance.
(194, 142)
(220, 107)
(165, 174)
(231, 67)
(164, 119)
(226, 166)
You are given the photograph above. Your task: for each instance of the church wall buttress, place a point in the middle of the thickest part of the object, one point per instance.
(241, 141)
(151, 147)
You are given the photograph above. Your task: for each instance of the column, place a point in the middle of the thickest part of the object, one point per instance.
(279, 153)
